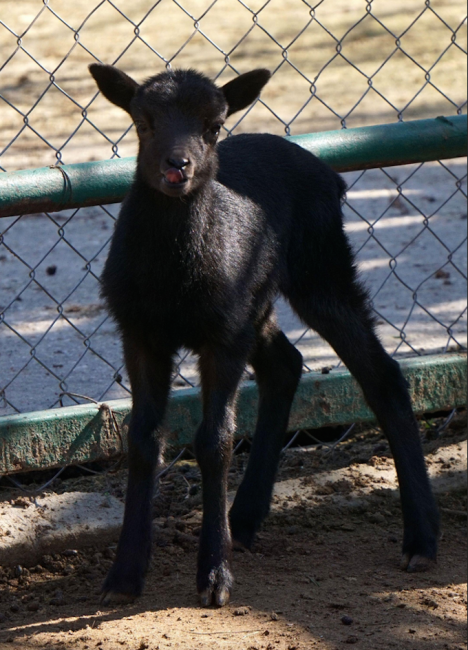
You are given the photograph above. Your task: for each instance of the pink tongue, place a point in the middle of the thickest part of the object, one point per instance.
(175, 176)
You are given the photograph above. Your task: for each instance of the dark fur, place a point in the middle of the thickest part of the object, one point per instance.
(199, 266)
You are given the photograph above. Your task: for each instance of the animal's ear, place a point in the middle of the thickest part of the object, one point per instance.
(244, 90)
(114, 84)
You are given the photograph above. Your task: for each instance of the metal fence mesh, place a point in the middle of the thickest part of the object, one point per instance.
(336, 64)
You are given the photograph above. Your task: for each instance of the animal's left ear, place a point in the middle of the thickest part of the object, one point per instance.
(244, 90)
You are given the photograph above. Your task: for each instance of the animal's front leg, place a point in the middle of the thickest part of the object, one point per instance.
(221, 372)
(150, 375)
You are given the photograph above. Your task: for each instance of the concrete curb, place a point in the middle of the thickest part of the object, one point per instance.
(54, 523)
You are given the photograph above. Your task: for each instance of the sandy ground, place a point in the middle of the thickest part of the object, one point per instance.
(323, 574)
(51, 264)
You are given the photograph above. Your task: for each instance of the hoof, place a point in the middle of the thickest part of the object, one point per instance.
(243, 527)
(239, 547)
(215, 588)
(416, 563)
(121, 587)
(242, 538)
(114, 599)
(220, 597)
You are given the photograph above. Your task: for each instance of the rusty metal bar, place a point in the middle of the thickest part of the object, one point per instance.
(79, 434)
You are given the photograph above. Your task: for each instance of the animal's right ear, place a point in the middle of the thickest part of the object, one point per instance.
(114, 84)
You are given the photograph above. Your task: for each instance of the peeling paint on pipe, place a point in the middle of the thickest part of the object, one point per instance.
(80, 434)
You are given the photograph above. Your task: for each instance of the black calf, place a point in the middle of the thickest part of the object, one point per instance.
(205, 240)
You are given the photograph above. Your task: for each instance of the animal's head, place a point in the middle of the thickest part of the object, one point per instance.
(178, 116)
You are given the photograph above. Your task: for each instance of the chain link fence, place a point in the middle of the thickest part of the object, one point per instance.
(336, 64)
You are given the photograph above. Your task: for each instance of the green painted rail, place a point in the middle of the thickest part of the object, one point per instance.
(51, 189)
(79, 434)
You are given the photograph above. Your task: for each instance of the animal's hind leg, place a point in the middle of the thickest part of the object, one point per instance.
(343, 319)
(278, 367)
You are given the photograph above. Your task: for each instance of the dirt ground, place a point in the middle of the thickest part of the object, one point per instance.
(323, 574)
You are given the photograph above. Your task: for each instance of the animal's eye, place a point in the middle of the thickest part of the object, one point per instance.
(212, 132)
(215, 129)
(143, 128)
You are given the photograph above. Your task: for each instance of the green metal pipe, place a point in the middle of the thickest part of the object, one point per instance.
(389, 145)
(80, 434)
(51, 189)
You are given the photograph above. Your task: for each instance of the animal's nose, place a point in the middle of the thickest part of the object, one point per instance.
(178, 163)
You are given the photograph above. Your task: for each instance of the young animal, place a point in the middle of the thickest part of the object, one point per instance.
(206, 238)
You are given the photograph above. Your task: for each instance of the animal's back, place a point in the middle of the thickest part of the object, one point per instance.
(277, 174)
(301, 199)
